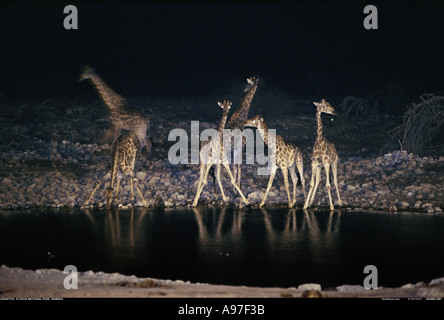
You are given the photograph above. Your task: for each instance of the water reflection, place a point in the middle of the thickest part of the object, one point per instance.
(126, 228)
(120, 228)
(298, 226)
(265, 247)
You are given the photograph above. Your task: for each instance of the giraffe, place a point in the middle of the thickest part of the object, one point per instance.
(324, 154)
(285, 156)
(237, 121)
(124, 158)
(122, 118)
(212, 152)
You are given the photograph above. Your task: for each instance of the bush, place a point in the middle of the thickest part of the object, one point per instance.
(421, 123)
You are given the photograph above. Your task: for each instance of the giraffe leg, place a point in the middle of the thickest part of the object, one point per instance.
(287, 188)
(116, 195)
(131, 188)
(301, 174)
(220, 183)
(204, 168)
(235, 166)
(227, 167)
(318, 179)
(334, 168)
(328, 185)
(92, 193)
(294, 178)
(312, 183)
(239, 174)
(270, 182)
(128, 169)
(145, 204)
(109, 196)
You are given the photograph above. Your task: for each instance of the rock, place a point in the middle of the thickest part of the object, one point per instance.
(141, 175)
(6, 181)
(412, 164)
(309, 287)
(438, 281)
(256, 195)
(404, 204)
(350, 288)
(371, 194)
(168, 203)
(180, 197)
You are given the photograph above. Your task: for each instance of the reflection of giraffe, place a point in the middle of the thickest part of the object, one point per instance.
(203, 233)
(286, 157)
(236, 124)
(124, 158)
(211, 234)
(121, 117)
(212, 152)
(119, 231)
(293, 233)
(324, 153)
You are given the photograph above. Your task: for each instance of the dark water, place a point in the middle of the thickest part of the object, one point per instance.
(255, 247)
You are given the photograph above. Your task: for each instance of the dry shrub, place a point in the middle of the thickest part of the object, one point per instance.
(421, 123)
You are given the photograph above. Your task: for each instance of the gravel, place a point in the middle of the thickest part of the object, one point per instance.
(65, 174)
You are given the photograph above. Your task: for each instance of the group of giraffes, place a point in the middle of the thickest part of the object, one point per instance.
(130, 135)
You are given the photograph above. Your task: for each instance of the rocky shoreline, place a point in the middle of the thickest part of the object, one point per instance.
(62, 176)
(18, 283)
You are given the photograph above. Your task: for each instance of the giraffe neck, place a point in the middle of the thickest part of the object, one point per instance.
(113, 100)
(263, 130)
(319, 135)
(246, 103)
(222, 122)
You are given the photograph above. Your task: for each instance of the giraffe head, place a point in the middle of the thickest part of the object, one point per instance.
(325, 107)
(226, 105)
(251, 82)
(86, 73)
(254, 122)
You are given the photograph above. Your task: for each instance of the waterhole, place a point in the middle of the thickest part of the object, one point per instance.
(254, 247)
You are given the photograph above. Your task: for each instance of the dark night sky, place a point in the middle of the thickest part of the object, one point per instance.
(195, 47)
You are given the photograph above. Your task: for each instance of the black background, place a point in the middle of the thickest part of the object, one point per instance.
(193, 48)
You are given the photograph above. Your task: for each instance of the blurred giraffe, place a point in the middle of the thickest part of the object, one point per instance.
(124, 158)
(121, 117)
